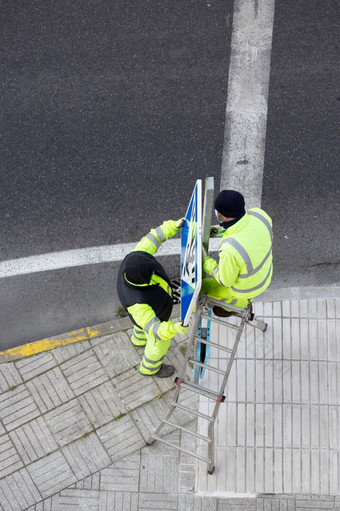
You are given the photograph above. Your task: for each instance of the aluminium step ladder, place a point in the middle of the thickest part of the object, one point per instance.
(199, 338)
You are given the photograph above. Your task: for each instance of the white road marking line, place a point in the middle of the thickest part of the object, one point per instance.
(247, 102)
(81, 257)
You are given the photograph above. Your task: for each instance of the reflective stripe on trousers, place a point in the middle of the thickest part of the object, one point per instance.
(155, 348)
(154, 353)
(139, 333)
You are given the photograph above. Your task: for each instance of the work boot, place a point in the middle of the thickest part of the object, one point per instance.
(165, 371)
(222, 313)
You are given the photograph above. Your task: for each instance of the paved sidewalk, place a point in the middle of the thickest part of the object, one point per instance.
(74, 421)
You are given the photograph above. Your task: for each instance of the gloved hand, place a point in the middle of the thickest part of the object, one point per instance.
(215, 230)
(180, 223)
(209, 264)
(171, 227)
(180, 329)
(167, 329)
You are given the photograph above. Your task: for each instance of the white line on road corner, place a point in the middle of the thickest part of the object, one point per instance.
(66, 259)
(247, 102)
(81, 257)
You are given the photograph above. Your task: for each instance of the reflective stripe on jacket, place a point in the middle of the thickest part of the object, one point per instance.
(245, 253)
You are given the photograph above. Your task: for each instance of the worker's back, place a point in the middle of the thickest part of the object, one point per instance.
(142, 266)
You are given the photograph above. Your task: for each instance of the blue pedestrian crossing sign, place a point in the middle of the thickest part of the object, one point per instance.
(191, 254)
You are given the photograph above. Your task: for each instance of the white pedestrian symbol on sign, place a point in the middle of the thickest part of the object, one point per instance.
(189, 267)
(191, 254)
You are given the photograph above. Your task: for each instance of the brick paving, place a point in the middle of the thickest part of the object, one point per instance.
(74, 422)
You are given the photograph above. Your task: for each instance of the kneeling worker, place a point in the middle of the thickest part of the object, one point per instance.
(245, 263)
(145, 292)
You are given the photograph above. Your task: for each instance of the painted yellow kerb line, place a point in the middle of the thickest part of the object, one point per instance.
(32, 348)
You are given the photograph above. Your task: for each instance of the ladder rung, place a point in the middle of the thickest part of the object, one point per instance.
(197, 435)
(201, 390)
(160, 439)
(206, 366)
(214, 345)
(220, 321)
(194, 412)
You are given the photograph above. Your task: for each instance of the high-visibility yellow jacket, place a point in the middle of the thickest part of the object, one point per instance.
(245, 255)
(149, 302)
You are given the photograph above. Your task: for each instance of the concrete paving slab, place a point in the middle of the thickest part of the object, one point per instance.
(116, 353)
(51, 474)
(118, 500)
(121, 437)
(148, 416)
(135, 389)
(86, 456)
(122, 475)
(50, 389)
(33, 440)
(74, 500)
(84, 372)
(10, 460)
(68, 422)
(9, 377)
(89, 483)
(69, 351)
(18, 491)
(161, 475)
(17, 407)
(102, 404)
(32, 366)
(148, 501)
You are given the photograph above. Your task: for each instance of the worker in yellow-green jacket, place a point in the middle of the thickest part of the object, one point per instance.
(245, 265)
(145, 292)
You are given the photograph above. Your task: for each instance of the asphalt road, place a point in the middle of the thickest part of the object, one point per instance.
(112, 110)
(302, 174)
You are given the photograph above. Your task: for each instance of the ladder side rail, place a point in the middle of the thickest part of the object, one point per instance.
(229, 366)
(232, 355)
(163, 421)
(211, 446)
(191, 339)
(160, 439)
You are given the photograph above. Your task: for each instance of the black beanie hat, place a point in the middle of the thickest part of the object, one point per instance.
(230, 203)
